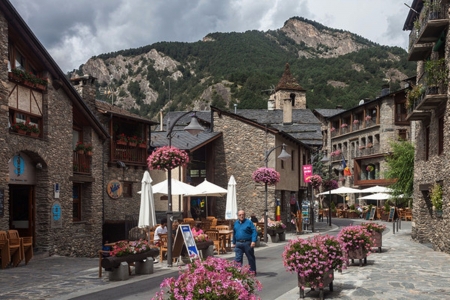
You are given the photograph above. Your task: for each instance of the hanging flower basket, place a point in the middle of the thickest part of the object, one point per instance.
(266, 175)
(315, 180)
(167, 158)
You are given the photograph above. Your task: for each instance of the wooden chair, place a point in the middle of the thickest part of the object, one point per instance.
(15, 253)
(213, 234)
(227, 240)
(5, 257)
(187, 220)
(26, 246)
(222, 227)
(163, 246)
(408, 215)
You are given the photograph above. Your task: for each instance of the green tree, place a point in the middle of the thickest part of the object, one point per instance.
(400, 166)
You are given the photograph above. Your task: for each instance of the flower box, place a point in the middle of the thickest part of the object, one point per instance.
(114, 261)
(377, 240)
(358, 254)
(327, 279)
(142, 145)
(121, 142)
(132, 144)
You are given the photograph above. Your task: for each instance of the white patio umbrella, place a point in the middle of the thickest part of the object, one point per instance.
(341, 190)
(147, 209)
(377, 189)
(178, 188)
(207, 188)
(231, 204)
(376, 196)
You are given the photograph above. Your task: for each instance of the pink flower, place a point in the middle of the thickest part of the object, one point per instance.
(266, 175)
(167, 158)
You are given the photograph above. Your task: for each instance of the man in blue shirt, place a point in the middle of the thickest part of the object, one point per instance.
(244, 240)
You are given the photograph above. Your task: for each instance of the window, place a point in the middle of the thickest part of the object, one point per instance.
(402, 135)
(400, 112)
(427, 143)
(441, 135)
(76, 196)
(20, 117)
(127, 190)
(292, 160)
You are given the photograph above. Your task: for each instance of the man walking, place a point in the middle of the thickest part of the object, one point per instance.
(244, 240)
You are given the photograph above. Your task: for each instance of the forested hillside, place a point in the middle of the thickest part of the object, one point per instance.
(334, 66)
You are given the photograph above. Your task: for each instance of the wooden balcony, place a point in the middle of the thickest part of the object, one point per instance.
(82, 163)
(431, 101)
(130, 155)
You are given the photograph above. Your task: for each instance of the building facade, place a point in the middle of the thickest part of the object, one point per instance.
(429, 112)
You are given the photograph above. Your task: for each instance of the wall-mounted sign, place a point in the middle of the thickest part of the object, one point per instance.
(56, 215)
(21, 170)
(307, 172)
(56, 190)
(114, 189)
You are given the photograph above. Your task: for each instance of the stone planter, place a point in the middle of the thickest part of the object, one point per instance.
(327, 280)
(377, 240)
(206, 248)
(357, 254)
(114, 262)
(281, 236)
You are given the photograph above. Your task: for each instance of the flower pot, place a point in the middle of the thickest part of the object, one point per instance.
(89, 153)
(142, 145)
(34, 134)
(377, 240)
(132, 144)
(80, 152)
(358, 254)
(120, 142)
(21, 131)
(328, 278)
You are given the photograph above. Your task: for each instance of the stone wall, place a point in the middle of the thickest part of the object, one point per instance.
(239, 153)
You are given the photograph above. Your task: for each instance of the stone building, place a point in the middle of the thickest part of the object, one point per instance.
(360, 137)
(41, 195)
(123, 160)
(429, 113)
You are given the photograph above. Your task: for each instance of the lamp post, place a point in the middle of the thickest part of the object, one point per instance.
(313, 157)
(283, 156)
(325, 160)
(193, 128)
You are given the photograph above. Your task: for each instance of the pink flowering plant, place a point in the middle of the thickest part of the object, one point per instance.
(330, 184)
(314, 258)
(124, 248)
(374, 227)
(355, 237)
(167, 158)
(316, 181)
(276, 225)
(213, 278)
(200, 237)
(266, 175)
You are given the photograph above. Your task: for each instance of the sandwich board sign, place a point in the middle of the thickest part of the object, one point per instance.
(184, 236)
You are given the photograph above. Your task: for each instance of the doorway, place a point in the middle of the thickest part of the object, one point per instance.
(22, 204)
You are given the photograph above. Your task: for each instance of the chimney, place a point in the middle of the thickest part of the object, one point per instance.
(385, 90)
(339, 106)
(287, 111)
(85, 86)
(161, 123)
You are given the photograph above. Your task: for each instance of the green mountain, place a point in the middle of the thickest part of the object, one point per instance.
(335, 67)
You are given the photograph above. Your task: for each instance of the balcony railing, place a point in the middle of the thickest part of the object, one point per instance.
(355, 127)
(366, 151)
(82, 163)
(136, 155)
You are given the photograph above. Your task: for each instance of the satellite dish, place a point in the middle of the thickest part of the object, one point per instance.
(361, 102)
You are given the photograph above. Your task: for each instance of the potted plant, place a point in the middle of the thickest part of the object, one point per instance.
(88, 149)
(141, 143)
(437, 75)
(436, 199)
(129, 251)
(213, 278)
(132, 141)
(376, 230)
(122, 139)
(266, 175)
(20, 127)
(414, 95)
(315, 180)
(314, 261)
(33, 130)
(167, 158)
(356, 241)
(80, 147)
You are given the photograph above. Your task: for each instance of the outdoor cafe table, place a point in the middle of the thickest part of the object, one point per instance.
(225, 239)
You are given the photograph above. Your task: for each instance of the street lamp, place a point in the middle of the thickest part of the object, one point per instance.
(325, 160)
(311, 204)
(193, 128)
(283, 156)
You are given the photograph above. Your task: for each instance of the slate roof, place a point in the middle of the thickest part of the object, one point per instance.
(288, 82)
(107, 108)
(183, 140)
(326, 113)
(305, 128)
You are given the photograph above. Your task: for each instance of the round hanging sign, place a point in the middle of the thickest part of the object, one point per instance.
(114, 189)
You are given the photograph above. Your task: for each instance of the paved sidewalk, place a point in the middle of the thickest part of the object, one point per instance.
(403, 270)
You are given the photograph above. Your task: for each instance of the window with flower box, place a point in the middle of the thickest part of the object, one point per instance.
(16, 117)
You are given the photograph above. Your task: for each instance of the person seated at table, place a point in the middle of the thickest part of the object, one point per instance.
(161, 229)
(196, 230)
(253, 218)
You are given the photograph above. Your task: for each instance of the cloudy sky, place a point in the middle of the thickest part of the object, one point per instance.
(75, 30)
